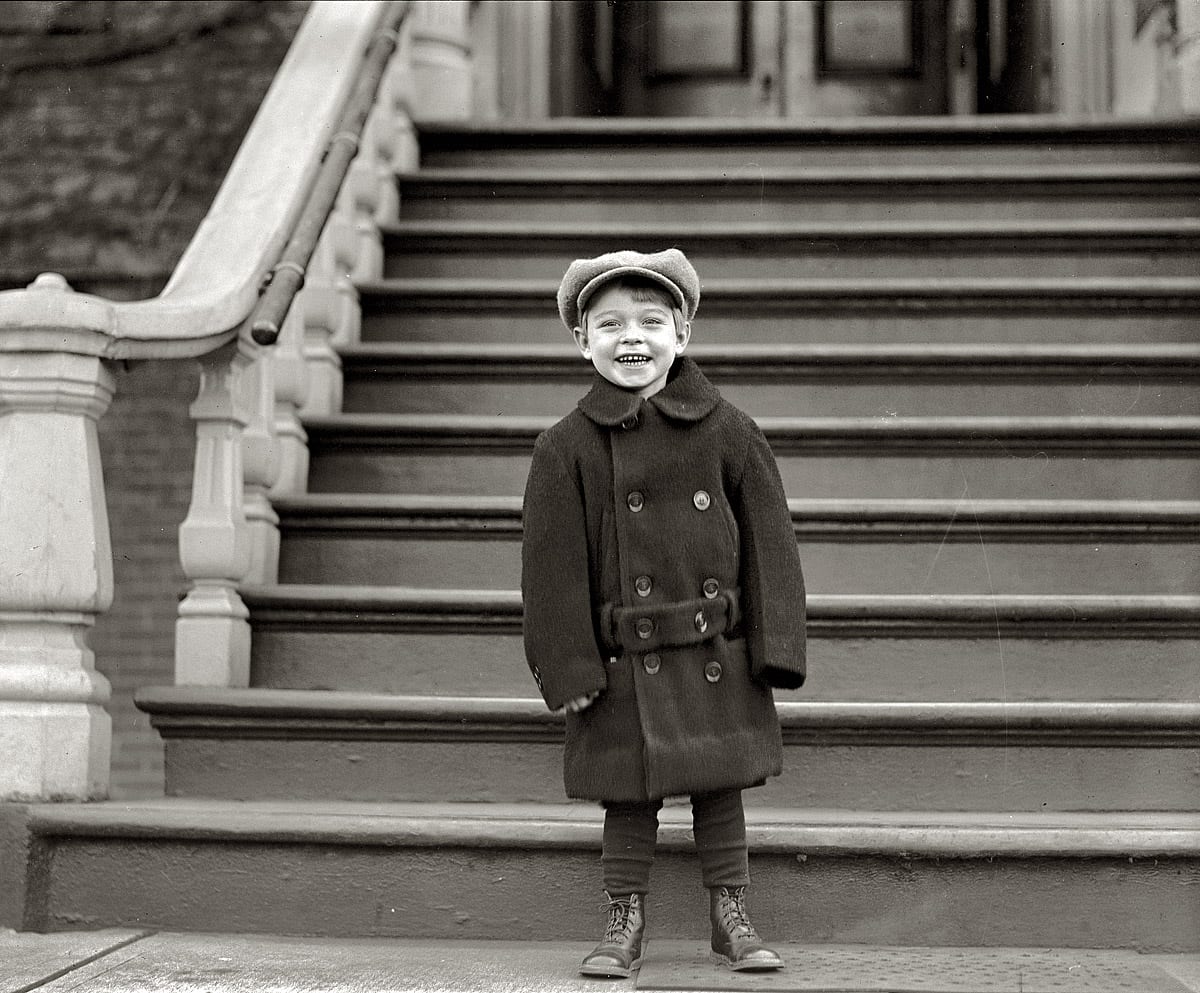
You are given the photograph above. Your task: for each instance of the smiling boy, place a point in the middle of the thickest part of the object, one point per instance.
(632, 337)
(663, 596)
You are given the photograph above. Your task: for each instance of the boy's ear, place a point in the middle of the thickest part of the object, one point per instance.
(581, 340)
(683, 334)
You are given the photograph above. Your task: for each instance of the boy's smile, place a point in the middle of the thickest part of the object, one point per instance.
(631, 338)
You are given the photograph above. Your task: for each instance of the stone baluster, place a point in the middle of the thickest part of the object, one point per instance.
(291, 393)
(55, 572)
(382, 136)
(360, 196)
(212, 634)
(260, 465)
(398, 96)
(391, 131)
(329, 304)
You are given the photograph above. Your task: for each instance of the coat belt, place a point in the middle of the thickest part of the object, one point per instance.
(643, 628)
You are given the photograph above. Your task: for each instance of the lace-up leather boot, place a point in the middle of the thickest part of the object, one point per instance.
(733, 936)
(621, 950)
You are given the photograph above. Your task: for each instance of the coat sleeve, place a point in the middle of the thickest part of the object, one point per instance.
(772, 583)
(560, 640)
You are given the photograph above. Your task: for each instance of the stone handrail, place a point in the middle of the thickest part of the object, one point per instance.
(56, 348)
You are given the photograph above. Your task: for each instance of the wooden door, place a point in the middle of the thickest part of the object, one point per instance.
(774, 58)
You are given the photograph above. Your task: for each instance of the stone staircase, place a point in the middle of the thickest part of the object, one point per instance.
(973, 349)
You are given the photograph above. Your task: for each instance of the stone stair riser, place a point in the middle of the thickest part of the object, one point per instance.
(429, 199)
(349, 888)
(785, 258)
(860, 564)
(307, 763)
(488, 661)
(1021, 472)
(424, 320)
(384, 387)
(724, 155)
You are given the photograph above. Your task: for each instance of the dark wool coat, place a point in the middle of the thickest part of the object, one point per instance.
(659, 567)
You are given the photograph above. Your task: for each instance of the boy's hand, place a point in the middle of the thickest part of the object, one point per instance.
(578, 704)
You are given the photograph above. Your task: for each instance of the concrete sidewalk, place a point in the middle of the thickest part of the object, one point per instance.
(128, 961)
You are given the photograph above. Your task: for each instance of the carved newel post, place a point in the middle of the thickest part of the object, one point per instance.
(441, 59)
(55, 571)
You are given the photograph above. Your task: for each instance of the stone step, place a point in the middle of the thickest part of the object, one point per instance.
(797, 193)
(295, 745)
(525, 871)
(862, 648)
(1137, 458)
(793, 380)
(852, 142)
(775, 249)
(975, 310)
(883, 546)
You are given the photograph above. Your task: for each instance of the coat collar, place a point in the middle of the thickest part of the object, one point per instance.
(688, 396)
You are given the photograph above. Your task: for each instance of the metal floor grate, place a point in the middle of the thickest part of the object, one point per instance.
(680, 966)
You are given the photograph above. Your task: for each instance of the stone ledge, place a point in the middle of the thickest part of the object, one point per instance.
(848, 436)
(806, 237)
(809, 180)
(1092, 295)
(981, 130)
(185, 711)
(912, 835)
(1055, 521)
(387, 608)
(750, 362)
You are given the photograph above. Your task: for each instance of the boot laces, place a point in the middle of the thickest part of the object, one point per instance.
(733, 914)
(619, 912)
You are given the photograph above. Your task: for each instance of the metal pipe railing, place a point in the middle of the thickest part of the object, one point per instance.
(286, 278)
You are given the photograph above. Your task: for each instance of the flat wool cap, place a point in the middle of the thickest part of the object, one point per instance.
(670, 268)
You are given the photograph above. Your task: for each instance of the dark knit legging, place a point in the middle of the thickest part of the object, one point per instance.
(630, 831)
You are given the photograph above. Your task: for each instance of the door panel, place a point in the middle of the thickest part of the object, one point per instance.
(867, 57)
(679, 58)
(779, 58)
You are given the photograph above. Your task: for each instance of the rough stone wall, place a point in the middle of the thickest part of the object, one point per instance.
(118, 121)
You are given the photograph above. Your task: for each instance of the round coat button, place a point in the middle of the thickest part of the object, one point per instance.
(643, 585)
(712, 671)
(701, 622)
(630, 423)
(701, 499)
(644, 627)
(635, 501)
(711, 589)
(651, 663)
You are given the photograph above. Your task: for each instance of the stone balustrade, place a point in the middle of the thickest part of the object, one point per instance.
(55, 384)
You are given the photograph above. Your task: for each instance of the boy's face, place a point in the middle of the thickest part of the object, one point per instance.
(631, 337)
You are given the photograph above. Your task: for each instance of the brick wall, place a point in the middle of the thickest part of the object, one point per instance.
(120, 120)
(147, 443)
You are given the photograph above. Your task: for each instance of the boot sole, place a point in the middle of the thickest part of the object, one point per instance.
(609, 972)
(726, 961)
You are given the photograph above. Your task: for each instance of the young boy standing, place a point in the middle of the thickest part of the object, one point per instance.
(663, 595)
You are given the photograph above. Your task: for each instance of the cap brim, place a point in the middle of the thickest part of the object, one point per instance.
(590, 287)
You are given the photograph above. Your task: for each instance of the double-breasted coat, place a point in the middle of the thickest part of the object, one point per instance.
(660, 569)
